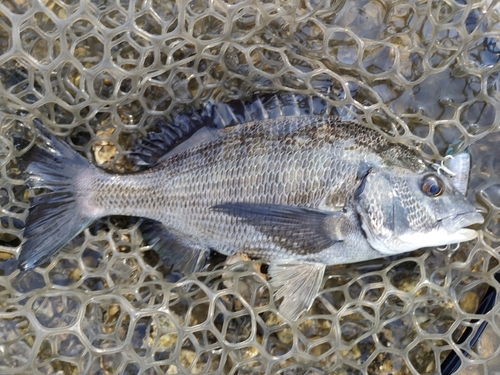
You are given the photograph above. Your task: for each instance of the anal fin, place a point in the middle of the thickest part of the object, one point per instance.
(297, 282)
(177, 252)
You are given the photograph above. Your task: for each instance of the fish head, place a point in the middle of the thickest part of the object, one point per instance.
(403, 211)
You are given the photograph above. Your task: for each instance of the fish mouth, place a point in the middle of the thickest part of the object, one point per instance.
(461, 221)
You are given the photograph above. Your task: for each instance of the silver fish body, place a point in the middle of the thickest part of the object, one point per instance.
(300, 192)
(239, 191)
(271, 167)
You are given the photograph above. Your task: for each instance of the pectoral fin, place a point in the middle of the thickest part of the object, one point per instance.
(294, 228)
(180, 254)
(298, 283)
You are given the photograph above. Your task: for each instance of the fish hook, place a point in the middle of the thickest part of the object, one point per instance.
(443, 168)
(448, 247)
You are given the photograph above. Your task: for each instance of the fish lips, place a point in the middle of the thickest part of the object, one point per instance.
(458, 223)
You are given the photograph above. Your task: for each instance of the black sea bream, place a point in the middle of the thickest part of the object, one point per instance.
(300, 192)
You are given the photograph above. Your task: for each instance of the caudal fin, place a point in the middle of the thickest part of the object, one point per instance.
(54, 218)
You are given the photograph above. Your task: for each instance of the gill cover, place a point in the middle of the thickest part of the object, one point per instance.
(401, 211)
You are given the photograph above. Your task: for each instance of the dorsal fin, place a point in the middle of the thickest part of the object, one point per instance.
(149, 150)
(264, 107)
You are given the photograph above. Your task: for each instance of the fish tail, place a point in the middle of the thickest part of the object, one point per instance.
(54, 217)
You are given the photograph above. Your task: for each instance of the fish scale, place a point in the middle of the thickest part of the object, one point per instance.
(299, 192)
(307, 175)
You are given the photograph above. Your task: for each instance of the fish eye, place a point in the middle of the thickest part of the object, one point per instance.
(432, 186)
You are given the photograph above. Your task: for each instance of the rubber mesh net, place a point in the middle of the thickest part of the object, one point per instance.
(101, 73)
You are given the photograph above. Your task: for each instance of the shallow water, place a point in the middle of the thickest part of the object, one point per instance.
(101, 73)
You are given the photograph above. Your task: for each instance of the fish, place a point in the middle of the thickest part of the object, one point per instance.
(286, 179)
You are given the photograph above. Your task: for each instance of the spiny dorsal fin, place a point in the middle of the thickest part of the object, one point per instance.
(265, 107)
(168, 135)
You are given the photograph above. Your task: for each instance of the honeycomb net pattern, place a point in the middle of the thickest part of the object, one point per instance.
(101, 73)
